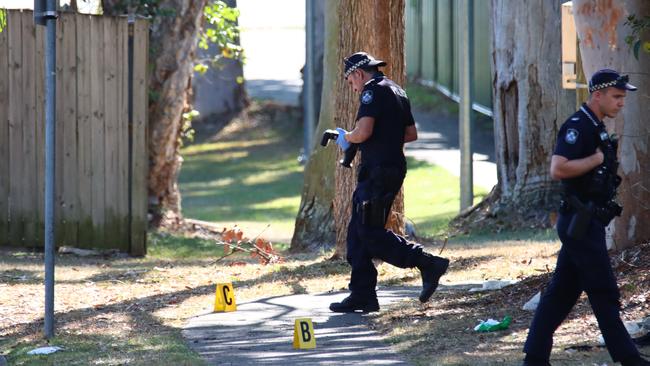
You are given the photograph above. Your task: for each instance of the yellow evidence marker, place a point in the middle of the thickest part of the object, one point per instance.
(303, 334)
(225, 298)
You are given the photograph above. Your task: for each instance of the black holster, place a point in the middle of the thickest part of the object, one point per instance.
(374, 212)
(383, 183)
(583, 212)
(608, 211)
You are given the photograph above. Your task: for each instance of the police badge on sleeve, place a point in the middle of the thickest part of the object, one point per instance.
(571, 136)
(366, 97)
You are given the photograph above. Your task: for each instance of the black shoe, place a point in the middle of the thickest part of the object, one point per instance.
(431, 268)
(637, 361)
(353, 304)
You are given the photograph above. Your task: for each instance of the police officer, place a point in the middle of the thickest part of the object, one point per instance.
(583, 154)
(383, 124)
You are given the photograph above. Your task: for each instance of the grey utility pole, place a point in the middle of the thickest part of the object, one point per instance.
(45, 14)
(466, 59)
(309, 92)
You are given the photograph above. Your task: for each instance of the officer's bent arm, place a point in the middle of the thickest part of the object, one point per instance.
(410, 133)
(563, 168)
(362, 130)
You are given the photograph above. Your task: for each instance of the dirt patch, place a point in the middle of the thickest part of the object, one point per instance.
(115, 310)
(441, 332)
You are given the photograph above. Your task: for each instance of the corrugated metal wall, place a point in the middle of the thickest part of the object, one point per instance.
(432, 47)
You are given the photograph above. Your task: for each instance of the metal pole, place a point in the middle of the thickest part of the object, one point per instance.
(309, 80)
(465, 27)
(50, 132)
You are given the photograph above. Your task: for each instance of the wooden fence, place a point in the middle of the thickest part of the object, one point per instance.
(92, 133)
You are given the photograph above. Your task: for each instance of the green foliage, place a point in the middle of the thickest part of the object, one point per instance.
(635, 39)
(3, 19)
(221, 30)
(187, 132)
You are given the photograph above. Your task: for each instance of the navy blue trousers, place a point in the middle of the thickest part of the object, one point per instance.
(582, 265)
(365, 242)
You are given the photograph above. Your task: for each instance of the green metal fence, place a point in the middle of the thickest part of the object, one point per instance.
(432, 48)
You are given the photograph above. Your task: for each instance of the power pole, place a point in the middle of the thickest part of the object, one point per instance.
(309, 86)
(45, 14)
(466, 58)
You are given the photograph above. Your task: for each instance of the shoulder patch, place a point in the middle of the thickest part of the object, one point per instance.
(571, 136)
(366, 97)
(398, 91)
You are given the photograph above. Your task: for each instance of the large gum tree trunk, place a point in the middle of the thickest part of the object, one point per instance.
(377, 27)
(173, 47)
(314, 226)
(529, 107)
(602, 33)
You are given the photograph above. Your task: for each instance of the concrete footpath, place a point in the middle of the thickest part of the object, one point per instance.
(261, 333)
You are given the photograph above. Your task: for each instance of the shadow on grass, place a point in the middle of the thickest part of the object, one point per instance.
(444, 333)
(166, 347)
(260, 182)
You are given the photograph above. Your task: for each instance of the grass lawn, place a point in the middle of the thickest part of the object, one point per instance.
(248, 176)
(432, 197)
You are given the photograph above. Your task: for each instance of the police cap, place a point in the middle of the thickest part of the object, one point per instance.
(360, 60)
(606, 78)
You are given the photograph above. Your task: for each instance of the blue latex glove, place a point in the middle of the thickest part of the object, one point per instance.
(341, 141)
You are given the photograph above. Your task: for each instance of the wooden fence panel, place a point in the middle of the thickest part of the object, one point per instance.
(68, 103)
(14, 28)
(110, 130)
(29, 131)
(123, 131)
(92, 207)
(140, 157)
(4, 138)
(40, 134)
(97, 128)
(85, 150)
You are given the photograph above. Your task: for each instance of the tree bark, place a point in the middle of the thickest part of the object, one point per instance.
(173, 48)
(315, 220)
(529, 107)
(602, 33)
(376, 27)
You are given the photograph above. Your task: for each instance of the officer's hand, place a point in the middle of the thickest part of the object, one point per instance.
(341, 141)
(600, 156)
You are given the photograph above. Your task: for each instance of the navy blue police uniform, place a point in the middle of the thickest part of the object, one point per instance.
(583, 264)
(379, 178)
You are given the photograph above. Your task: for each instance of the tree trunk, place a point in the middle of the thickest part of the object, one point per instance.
(376, 27)
(315, 220)
(602, 34)
(529, 107)
(173, 48)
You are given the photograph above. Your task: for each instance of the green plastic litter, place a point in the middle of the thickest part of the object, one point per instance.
(492, 325)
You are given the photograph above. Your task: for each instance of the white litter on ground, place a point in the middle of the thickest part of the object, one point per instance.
(45, 350)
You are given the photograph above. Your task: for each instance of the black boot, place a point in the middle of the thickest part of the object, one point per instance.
(635, 361)
(353, 304)
(535, 363)
(431, 268)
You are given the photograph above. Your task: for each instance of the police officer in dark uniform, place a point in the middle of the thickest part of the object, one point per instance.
(383, 124)
(585, 160)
